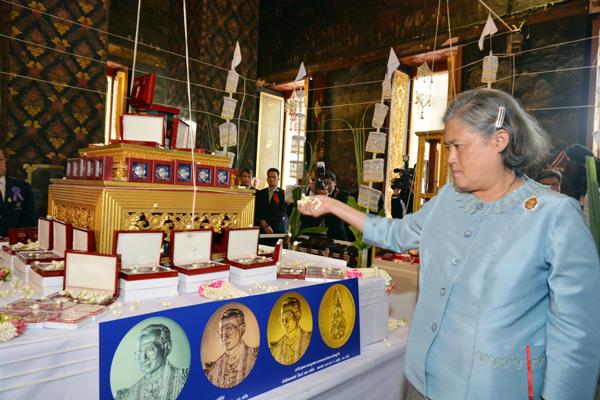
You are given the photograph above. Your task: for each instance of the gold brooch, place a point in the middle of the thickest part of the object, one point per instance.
(530, 203)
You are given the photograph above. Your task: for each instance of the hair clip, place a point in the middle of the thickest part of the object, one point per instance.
(500, 117)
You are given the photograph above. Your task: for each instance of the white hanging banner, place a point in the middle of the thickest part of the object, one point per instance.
(376, 142)
(232, 81)
(228, 110)
(490, 69)
(379, 114)
(488, 29)
(301, 73)
(374, 196)
(363, 196)
(228, 134)
(368, 198)
(373, 170)
(392, 64)
(237, 56)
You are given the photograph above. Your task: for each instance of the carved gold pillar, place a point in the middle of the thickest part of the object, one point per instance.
(398, 132)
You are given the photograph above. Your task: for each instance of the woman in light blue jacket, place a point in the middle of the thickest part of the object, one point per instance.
(509, 301)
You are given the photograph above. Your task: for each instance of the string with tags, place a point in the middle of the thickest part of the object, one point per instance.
(245, 79)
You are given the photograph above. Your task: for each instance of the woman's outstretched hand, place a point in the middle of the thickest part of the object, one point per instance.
(313, 206)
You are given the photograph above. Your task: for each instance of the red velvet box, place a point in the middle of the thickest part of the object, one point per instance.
(143, 129)
(94, 272)
(139, 170)
(191, 252)
(83, 240)
(205, 175)
(163, 171)
(142, 92)
(101, 168)
(183, 172)
(223, 177)
(140, 253)
(181, 135)
(47, 269)
(242, 249)
(291, 272)
(22, 235)
(82, 168)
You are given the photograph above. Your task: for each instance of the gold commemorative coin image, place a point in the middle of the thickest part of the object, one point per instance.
(290, 328)
(337, 314)
(230, 344)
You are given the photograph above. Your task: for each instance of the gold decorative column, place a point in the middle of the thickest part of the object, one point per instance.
(398, 133)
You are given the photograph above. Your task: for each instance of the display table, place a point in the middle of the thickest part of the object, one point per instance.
(54, 364)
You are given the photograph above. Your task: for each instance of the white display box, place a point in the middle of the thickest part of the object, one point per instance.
(403, 298)
(47, 289)
(8, 257)
(54, 236)
(70, 320)
(374, 306)
(24, 259)
(191, 283)
(241, 276)
(46, 278)
(150, 293)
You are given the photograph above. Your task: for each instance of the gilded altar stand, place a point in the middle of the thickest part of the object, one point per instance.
(106, 206)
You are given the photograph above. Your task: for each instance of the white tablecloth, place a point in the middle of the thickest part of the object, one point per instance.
(51, 364)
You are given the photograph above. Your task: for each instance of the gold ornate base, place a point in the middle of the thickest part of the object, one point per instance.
(106, 207)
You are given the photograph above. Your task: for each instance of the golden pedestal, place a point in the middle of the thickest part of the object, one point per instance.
(109, 206)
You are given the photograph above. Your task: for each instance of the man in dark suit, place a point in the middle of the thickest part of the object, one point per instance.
(16, 201)
(270, 207)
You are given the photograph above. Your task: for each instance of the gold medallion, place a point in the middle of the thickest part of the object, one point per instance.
(530, 203)
(290, 328)
(337, 314)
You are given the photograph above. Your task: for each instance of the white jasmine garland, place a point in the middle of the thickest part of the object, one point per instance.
(7, 331)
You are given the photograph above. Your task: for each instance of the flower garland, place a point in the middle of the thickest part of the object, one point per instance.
(18, 287)
(86, 296)
(220, 290)
(5, 274)
(11, 327)
(26, 246)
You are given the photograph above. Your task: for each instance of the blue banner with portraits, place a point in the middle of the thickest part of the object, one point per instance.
(230, 349)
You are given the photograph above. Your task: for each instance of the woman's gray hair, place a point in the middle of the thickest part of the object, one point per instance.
(528, 144)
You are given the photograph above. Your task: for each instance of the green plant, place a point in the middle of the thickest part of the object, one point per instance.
(358, 134)
(593, 199)
(358, 242)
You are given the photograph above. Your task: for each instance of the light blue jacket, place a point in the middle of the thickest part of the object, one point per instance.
(495, 279)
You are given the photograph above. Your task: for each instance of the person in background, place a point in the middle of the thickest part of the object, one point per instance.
(551, 178)
(271, 208)
(574, 182)
(17, 209)
(508, 289)
(247, 181)
(336, 228)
